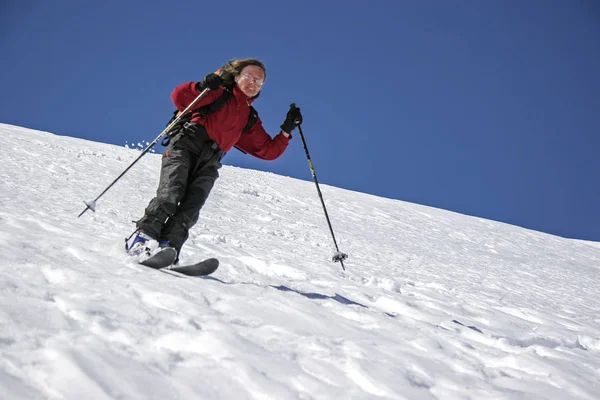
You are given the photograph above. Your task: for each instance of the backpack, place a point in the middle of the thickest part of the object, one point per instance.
(206, 110)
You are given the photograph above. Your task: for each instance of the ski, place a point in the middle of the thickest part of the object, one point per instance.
(202, 268)
(164, 258)
(161, 259)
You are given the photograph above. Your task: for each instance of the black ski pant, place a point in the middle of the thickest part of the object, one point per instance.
(189, 170)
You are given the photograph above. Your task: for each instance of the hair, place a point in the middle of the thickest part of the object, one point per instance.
(234, 67)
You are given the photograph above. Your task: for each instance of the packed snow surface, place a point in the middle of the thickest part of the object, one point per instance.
(433, 304)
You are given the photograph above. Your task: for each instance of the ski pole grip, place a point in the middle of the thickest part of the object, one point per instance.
(293, 107)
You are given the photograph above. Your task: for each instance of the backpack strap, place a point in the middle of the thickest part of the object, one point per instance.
(209, 109)
(251, 121)
(214, 106)
(203, 111)
(252, 118)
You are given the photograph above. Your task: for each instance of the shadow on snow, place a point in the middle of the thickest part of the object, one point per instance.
(309, 295)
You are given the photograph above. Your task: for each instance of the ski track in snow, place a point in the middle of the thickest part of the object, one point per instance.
(433, 305)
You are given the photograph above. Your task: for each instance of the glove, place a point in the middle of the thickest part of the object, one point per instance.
(292, 120)
(211, 81)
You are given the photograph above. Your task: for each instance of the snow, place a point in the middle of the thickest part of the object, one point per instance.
(433, 305)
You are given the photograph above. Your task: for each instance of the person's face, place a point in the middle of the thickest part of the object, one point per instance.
(250, 80)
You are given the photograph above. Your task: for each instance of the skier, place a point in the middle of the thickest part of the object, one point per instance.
(193, 155)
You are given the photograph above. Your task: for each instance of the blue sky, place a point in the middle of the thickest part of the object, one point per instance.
(487, 108)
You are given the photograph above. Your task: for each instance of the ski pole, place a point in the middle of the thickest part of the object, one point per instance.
(338, 256)
(91, 205)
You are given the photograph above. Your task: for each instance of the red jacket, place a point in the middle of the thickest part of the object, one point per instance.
(225, 125)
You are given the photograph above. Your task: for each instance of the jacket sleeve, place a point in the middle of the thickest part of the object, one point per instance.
(259, 144)
(185, 93)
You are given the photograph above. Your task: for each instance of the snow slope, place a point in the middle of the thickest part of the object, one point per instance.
(433, 305)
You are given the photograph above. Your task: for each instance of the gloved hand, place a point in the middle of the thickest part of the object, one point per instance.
(292, 120)
(211, 81)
